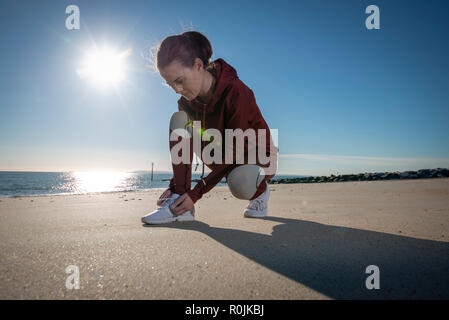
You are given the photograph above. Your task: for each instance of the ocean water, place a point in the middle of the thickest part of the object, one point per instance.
(50, 183)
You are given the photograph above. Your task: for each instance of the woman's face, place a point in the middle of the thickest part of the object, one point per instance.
(185, 81)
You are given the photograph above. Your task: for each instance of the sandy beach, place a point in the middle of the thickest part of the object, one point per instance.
(315, 244)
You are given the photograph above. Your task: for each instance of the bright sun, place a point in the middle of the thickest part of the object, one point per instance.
(104, 66)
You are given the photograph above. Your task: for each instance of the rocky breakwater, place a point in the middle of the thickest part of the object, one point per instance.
(420, 174)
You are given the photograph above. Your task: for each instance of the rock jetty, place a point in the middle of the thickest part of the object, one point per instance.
(420, 174)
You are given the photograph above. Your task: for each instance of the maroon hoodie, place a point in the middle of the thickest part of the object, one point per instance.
(232, 106)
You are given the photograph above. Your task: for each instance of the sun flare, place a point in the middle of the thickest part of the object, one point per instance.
(104, 66)
(100, 181)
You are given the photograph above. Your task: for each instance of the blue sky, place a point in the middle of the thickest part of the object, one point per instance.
(344, 99)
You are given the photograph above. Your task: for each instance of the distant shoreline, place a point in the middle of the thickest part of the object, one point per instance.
(397, 175)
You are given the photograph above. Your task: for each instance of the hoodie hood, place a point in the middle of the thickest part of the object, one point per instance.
(224, 75)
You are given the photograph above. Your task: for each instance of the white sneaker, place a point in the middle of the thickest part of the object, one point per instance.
(258, 207)
(165, 215)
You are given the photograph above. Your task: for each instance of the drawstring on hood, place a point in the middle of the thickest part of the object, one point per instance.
(204, 121)
(201, 157)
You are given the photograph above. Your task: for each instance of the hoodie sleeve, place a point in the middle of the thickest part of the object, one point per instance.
(241, 112)
(171, 186)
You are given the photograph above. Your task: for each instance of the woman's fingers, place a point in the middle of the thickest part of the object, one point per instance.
(182, 204)
(165, 194)
(178, 207)
(176, 204)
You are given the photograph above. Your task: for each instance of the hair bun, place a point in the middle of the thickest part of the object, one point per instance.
(203, 45)
(185, 48)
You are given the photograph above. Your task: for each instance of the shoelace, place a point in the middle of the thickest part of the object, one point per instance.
(167, 201)
(257, 204)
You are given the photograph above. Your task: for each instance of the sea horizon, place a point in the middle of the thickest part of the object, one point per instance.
(48, 183)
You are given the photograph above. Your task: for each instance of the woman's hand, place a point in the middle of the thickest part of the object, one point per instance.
(165, 194)
(182, 204)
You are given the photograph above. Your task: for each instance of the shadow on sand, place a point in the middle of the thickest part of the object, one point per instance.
(332, 260)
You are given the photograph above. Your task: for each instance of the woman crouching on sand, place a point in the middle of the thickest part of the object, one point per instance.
(213, 94)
